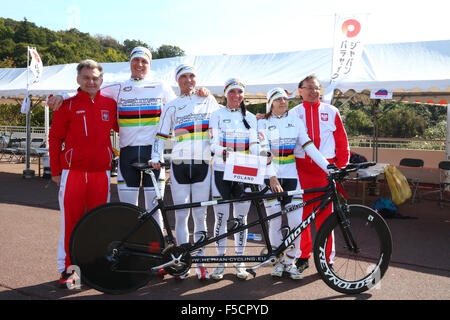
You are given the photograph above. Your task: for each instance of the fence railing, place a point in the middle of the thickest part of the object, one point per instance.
(364, 142)
(397, 143)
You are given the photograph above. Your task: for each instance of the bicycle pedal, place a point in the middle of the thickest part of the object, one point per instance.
(252, 272)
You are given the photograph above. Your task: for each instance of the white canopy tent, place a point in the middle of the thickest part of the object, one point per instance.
(416, 71)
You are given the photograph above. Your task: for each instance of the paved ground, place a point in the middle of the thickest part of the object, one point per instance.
(29, 230)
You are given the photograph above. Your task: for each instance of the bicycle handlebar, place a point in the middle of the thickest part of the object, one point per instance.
(340, 174)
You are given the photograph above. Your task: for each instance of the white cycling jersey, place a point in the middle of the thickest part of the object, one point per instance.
(139, 106)
(282, 135)
(188, 116)
(228, 132)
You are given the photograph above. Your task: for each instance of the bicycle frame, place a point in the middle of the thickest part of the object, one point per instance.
(329, 195)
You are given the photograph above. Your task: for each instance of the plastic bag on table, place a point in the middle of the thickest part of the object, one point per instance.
(398, 185)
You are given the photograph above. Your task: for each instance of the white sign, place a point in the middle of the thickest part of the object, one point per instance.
(381, 94)
(348, 45)
(36, 65)
(347, 49)
(246, 168)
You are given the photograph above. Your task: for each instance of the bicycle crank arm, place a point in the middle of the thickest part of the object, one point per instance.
(175, 262)
(251, 270)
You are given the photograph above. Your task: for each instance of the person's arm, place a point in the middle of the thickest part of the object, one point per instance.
(341, 143)
(214, 134)
(57, 135)
(55, 101)
(202, 92)
(264, 144)
(164, 128)
(310, 148)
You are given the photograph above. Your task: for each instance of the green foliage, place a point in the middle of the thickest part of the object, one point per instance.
(395, 120)
(69, 46)
(357, 123)
(10, 115)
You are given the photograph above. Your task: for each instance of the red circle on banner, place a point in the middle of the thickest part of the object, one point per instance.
(351, 28)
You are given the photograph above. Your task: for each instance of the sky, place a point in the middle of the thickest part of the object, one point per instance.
(217, 27)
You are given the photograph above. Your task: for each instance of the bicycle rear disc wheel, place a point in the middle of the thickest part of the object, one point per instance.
(351, 271)
(100, 232)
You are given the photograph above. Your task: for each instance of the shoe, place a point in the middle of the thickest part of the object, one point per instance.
(302, 264)
(202, 273)
(184, 275)
(241, 272)
(218, 271)
(293, 272)
(278, 270)
(161, 273)
(65, 280)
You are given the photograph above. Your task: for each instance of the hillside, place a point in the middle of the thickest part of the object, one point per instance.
(68, 46)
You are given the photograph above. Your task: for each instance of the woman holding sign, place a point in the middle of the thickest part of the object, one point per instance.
(281, 133)
(232, 129)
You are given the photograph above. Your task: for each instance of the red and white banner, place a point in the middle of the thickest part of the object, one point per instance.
(347, 49)
(247, 168)
(36, 65)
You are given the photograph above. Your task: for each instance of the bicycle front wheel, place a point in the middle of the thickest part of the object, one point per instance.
(353, 270)
(100, 233)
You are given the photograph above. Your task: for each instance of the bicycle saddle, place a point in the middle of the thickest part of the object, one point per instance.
(141, 165)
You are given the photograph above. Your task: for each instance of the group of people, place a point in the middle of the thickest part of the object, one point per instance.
(299, 145)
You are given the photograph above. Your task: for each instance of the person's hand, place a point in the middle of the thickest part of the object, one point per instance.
(203, 92)
(260, 116)
(275, 185)
(57, 180)
(55, 102)
(155, 165)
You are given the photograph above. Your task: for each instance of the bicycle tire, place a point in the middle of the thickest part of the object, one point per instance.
(350, 272)
(99, 232)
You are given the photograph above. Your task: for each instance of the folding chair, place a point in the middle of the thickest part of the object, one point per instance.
(414, 181)
(444, 181)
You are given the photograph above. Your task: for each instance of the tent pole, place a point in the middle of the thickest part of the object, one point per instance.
(447, 146)
(375, 131)
(28, 173)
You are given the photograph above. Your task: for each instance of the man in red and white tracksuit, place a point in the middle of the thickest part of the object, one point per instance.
(82, 168)
(324, 127)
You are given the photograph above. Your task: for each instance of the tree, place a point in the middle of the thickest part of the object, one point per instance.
(167, 51)
(401, 122)
(357, 122)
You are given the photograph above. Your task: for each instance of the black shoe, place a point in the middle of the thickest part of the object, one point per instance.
(302, 264)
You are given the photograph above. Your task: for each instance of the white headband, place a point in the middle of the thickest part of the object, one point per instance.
(141, 52)
(274, 94)
(233, 83)
(183, 69)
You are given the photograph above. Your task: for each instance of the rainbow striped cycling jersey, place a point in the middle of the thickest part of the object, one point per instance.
(139, 116)
(193, 130)
(282, 135)
(188, 118)
(139, 106)
(227, 131)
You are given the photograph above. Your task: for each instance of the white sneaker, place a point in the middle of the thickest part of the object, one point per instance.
(278, 270)
(218, 271)
(293, 272)
(202, 273)
(241, 272)
(184, 275)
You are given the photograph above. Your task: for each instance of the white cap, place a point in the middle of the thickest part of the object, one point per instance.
(141, 52)
(274, 94)
(233, 83)
(183, 69)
